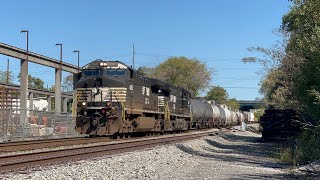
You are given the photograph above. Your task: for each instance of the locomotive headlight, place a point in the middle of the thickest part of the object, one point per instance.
(84, 103)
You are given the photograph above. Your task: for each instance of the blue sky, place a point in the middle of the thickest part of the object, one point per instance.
(215, 32)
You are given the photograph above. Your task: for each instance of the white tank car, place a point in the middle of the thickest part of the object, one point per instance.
(201, 112)
(216, 115)
(225, 115)
(240, 117)
(233, 117)
(250, 117)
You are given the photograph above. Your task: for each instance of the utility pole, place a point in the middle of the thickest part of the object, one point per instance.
(133, 52)
(8, 71)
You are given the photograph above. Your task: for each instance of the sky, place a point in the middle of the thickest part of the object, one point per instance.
(217, 33)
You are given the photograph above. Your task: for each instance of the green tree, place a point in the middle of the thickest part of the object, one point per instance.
(3, 77)
(280, 69)
(146, 71)
(218, 94)
(67, 83)
(190, 74)
(294, 80)
(34, 82)
(233, 103)
(303, 23)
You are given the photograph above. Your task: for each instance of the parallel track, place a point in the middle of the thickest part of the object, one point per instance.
(21, 161)
(38, 144)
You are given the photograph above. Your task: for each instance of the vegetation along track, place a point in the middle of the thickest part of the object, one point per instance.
(21, 161)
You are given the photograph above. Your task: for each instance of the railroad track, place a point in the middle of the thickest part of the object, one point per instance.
(38, 144)
(22, 161)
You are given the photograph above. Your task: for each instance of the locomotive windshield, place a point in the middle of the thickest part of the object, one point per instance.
(92, 72)
(115, 72)
(106, 72)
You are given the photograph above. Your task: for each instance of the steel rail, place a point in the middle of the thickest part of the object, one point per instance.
(21, 161)
(46, 143)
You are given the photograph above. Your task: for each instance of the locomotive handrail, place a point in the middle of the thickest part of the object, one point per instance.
(123, 112)
(167, 115)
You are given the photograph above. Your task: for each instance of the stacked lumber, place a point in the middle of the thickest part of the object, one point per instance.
(280, 124)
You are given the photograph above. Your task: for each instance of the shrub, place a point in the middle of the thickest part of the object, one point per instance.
(303, 149)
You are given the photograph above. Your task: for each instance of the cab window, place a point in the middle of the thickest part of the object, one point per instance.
(91, 72)
(115, 72)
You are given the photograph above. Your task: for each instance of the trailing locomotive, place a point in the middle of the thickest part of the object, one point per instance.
(113, 98)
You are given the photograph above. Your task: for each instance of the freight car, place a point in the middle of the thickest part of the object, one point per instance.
(113, 98)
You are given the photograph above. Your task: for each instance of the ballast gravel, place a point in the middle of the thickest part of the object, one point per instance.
(231, 155)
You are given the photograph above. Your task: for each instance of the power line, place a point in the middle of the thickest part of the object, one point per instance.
(241, 87)
(200, 58)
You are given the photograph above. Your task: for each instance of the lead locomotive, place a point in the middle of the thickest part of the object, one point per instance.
(112, 98)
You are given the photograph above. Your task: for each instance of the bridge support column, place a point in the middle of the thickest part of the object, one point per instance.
(65, 104)
(57, 92)
(31, 103)
(23, 92)
(49, 103)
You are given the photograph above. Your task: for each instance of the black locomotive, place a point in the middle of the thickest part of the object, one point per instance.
(113, 98)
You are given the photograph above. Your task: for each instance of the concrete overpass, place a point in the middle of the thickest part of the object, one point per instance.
(21, 54)
(25, 56)
(246, 105)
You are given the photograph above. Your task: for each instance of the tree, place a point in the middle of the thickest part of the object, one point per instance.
(218, 94)
(280, 69)
(303, 22)
(3, 77)
(34, 82)
(67, 83)
(190, 74)
(146, 71)
(233, 103)
(294, 80)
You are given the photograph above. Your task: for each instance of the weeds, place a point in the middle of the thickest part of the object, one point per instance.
(301, 150)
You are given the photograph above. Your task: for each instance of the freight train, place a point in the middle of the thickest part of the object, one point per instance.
(115, 99)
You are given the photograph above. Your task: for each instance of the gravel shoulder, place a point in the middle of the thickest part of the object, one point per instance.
(230, 155)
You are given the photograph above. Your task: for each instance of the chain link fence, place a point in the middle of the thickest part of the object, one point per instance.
(19, 124)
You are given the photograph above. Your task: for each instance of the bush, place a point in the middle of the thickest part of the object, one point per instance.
(258, 113)
(303, 149)
(308, 144)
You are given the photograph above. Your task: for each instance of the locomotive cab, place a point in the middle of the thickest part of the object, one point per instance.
(100, 96)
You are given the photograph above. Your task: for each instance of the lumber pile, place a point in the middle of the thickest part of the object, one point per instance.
(278, 125)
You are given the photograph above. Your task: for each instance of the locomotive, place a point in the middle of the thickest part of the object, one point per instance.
(115, 99)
